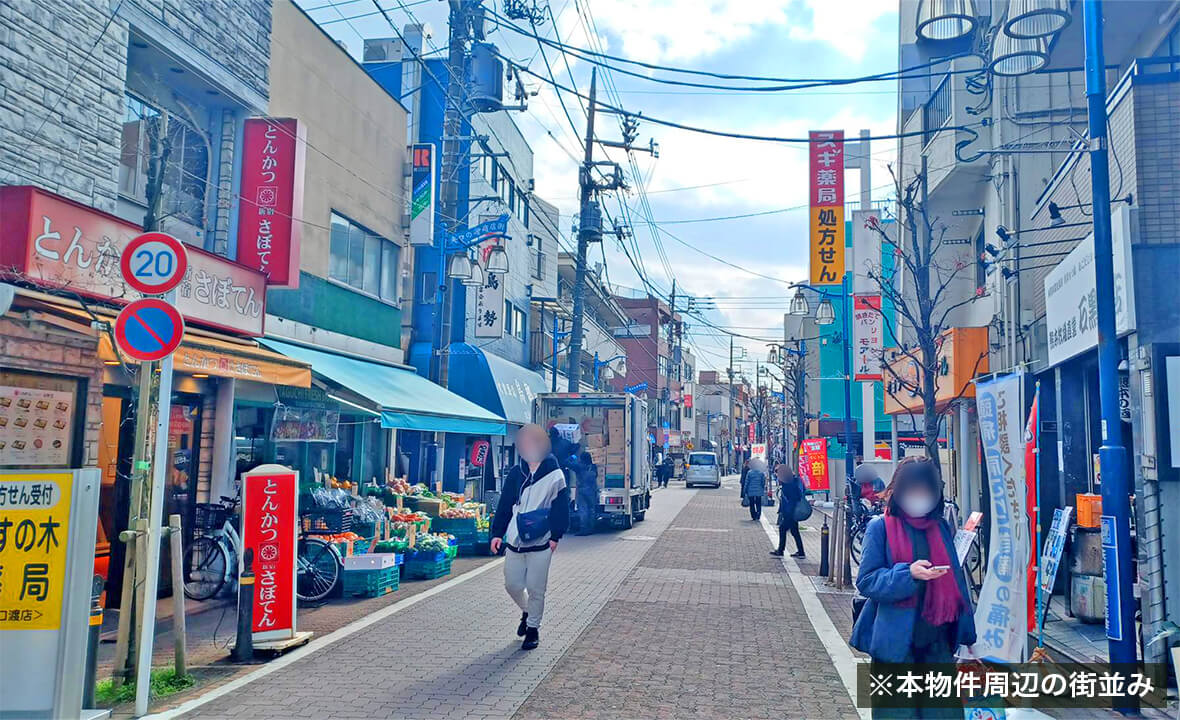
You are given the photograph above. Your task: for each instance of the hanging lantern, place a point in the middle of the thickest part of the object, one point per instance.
(945, 19)
(1036, 18)
(498, 261)
(1012, 57)
(799, 304)
(825, 314)
(476, 279)
(460, 268)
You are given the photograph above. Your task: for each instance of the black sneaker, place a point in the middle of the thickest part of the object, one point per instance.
(532, 638)
(799, 554)
(522, 627)
(776, 553)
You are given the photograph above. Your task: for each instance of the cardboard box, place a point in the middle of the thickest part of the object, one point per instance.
(370, 561)
(593, 442)
(614, 418)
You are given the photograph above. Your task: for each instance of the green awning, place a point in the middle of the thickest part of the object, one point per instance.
(407, 400)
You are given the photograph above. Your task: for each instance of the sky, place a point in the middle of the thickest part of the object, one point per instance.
(695, 176)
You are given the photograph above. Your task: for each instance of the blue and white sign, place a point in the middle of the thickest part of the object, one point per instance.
(1110, 570)
(495, 226)
(1001, 613)
(1054, 545)
(637, 387)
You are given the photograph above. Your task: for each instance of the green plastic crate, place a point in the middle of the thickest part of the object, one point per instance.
(370, 583)
(427, 570)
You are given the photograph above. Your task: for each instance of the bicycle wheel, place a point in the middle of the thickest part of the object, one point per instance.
(205, 563)
(318, 569)
(858, 543)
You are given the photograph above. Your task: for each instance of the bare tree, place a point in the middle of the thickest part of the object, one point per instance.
(924, 299)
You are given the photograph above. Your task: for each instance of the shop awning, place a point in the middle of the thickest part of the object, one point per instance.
(494, 383)
(407, 400)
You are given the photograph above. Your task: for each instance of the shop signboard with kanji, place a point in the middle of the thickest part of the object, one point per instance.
(813, 463)
(55, 242)
(489, 307)
(867, 337)
(271, 204)
(826, 180)
(270, 513)
(48, 521)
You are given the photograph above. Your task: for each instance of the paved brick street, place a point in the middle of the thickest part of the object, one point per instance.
(684, 616)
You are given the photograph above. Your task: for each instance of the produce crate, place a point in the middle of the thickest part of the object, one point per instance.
(430, 506)
(451, 551)
(326, 522)
(427, 570)
(455, 526)
(365, 528)
(370, 583)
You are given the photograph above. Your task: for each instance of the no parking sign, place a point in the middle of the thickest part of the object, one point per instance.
(149, 329)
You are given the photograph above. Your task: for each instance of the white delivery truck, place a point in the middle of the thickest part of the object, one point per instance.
(612, 427)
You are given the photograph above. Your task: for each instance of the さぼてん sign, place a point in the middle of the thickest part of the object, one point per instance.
(270, 511)
(59, 243)
(271, 204)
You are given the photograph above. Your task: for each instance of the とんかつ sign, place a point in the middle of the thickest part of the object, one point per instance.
(270, 510)
(826, 179)
(271, 204)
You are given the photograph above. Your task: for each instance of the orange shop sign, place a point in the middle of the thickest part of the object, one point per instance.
(962, 355)
(59, 243)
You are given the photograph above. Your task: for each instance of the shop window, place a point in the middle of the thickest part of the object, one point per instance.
(519, 322)
(509, 318)
(363, 260)
(186, 175)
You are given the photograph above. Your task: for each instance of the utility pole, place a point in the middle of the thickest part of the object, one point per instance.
(667, 401)
(586, 228)
(1116, 491)
(729, 371)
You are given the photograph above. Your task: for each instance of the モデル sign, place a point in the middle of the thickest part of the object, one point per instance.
(867, 337)
(271, 204)
(58, 243)
(270, 513)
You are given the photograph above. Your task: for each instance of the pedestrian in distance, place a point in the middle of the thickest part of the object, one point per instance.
(755, 487)
(791, 492)
(587, 494)
(918, 610)
(742, 480)
(532, 516)
(666, 469)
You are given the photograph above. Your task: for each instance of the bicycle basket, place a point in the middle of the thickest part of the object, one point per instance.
(209, 516)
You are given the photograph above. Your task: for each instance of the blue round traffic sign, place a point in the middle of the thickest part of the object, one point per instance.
(149, 329)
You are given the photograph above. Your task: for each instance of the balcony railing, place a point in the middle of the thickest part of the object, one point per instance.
(937, 111)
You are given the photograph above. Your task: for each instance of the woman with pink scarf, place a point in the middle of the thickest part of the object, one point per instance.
(918, 609)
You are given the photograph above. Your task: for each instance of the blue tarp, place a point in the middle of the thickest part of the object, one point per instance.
(494, 383)
(407, 400)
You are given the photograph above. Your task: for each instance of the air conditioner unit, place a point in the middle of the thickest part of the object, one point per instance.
(382, 50)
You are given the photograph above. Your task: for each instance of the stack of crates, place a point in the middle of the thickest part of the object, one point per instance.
(371, 575)
(470, 540)
(427, 566)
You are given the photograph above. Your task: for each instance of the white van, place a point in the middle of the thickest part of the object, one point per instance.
(702, 469)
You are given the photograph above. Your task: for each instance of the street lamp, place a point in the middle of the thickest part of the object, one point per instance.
(598, 364)
(945, 19)
(1036, 18)
(498, 261)
(475, 279)
(825, 314)
(799, 305)
(1012, 57)
(460, 267)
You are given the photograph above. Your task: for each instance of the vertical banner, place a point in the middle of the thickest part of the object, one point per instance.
(489, 307)
(271, 204)
(867, 337)
(1000, 612)
(826, 179)
(813, 463)
(270, 513)
(1032, 442)
(422, 195)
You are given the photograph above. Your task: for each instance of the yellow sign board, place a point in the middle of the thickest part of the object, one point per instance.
(827, 245)
(34, 529)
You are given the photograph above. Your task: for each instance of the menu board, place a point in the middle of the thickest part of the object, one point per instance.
(304, 424)
(36, 426)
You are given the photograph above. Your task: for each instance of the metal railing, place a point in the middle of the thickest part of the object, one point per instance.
(937, 111)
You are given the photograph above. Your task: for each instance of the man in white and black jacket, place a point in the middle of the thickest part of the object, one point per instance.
(536, 488)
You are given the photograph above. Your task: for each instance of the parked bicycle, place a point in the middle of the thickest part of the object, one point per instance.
(211, 558)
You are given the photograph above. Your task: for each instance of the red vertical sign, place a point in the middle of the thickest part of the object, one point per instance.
(271, 199)
(750, 432)
(813, 463)
(270, 510)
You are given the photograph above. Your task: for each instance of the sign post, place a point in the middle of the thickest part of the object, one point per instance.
(48, 562)
(270, 532)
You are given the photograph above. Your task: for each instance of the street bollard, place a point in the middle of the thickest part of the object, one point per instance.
(244, 646)
(95, 630)
(823, 549)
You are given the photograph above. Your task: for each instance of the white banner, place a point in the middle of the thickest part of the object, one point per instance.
(1001, 620)
(1071, 301)
(489, 307)
(867, 337)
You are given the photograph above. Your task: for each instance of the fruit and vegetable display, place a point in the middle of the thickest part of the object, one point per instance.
(341, 537)
(457, 513)
(400, 486)
(391, 546)
(431, 543)
(407, 517)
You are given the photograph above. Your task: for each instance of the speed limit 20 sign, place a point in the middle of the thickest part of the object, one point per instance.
(154, 263)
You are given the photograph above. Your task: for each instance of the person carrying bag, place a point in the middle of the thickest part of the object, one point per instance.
(793, 508)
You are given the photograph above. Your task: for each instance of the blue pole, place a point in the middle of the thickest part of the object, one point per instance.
(1116, 493)
(554, 386)
(596, 366)
(847, 353)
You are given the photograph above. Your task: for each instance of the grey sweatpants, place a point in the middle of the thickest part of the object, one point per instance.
(525, 577)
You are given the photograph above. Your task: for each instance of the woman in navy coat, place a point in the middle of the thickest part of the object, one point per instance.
(918, 608)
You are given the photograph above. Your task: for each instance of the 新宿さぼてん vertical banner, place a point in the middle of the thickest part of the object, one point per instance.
(271, 199)
(826, 180)
(270, 510)
(1000, 614)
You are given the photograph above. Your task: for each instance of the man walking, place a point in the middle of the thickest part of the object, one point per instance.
(532, 516)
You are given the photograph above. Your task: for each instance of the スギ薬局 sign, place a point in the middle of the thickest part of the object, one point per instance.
(56, 242)
(826, 168)
(270, 509)
(271, 203)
